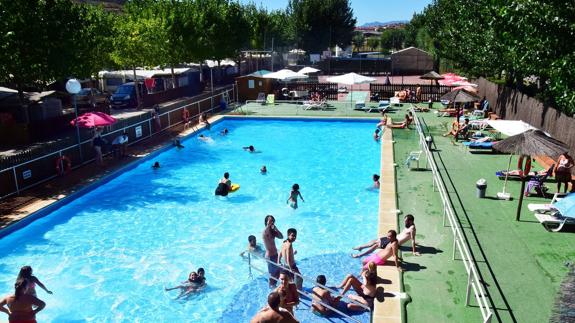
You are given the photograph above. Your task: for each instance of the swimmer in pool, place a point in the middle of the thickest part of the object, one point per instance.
(292, 200)
(224, 132)
(205, 138)
(375, 181)
(249, 148)
(156, 165)
(253, 248)
(193, 284)
(177, 143)
(263, 170)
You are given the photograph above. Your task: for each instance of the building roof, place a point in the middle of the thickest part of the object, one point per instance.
(143, 74)
(409, 49)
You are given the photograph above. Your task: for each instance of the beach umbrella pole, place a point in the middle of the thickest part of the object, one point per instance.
(520, 199)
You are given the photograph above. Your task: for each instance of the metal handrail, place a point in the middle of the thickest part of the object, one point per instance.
(309, 296)
(459, 241)
(285, 268)
(60, 151)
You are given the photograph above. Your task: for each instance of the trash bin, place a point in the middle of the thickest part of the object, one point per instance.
(481, 188)
(428, 141)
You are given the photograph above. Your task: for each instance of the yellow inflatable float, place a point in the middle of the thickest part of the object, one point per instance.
(235, 187)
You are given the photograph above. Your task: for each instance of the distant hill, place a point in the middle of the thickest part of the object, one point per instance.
(387, 23)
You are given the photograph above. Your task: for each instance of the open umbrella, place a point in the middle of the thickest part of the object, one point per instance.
(307, 70)
(460, 96)
(285, 75)
(351, 79)
(432, 76)
(527, 144)
(93, 119)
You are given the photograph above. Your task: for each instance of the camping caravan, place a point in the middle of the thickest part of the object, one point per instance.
(155, 80)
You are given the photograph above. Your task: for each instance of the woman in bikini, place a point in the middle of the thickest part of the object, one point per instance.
(26, 274)
(365, 290)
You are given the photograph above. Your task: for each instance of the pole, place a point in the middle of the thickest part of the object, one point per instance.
(272, 54)
(520, 199)
(78, 129)
(212, 85)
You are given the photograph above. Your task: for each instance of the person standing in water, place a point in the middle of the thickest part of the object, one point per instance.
(287, 253)
(26, 274)
(269, 235)
(292, 200)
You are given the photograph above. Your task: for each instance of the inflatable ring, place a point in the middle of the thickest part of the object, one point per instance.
(63, 165)
(234, 187)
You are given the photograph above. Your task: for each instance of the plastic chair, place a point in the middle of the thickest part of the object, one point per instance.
(413, 156)
(536, 182)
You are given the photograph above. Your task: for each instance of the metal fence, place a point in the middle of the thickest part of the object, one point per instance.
(459, 242)
(41, 168)
(327, 90)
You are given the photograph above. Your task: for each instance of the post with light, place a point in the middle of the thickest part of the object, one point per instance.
(73, 87)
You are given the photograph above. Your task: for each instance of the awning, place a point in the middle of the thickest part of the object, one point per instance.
(510, 127)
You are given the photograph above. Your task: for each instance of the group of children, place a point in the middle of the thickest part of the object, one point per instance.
(196, 282)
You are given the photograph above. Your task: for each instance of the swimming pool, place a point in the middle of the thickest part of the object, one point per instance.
(108, 254)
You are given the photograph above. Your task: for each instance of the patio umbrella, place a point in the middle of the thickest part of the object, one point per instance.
(307, 70)
(285, 75)
(566, 206)
(351, 79)
(432, 76)
(460, 96)
(93, 119)
(527, 144)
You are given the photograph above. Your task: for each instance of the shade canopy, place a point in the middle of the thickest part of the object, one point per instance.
(433, 75)
(510, 127)
(450, 78)
(566, 206)
(307, 70)
(285, 75)
(93, 119)
(350, 79)
(460, 96)
(260, 73)
(531, 143)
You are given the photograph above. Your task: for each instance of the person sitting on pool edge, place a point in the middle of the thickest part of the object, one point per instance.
(402, 125)
(224, 186)
(405, 235)
(253, 247)
(273, 312)
(320, 294)
(292, 200)
(156, 165)
(249, 148)
(204, 120)
(391, 249)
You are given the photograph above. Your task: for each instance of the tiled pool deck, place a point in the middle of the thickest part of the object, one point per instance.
(521, 264)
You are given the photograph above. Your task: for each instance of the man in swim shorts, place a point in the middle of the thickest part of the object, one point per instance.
(391, 249)
(273, 312)
(269, 235)
(287, 253)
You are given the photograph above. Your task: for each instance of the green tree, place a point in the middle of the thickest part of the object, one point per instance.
(392, 38)
(319, 24)
(140, 38)
(373, 43)
(358, 41)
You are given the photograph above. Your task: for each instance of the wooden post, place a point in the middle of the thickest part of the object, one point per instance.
(520, 199)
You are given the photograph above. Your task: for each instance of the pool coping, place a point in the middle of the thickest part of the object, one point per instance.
(387, 307)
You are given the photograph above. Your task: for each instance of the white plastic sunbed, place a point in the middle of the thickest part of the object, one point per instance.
(553, 222)
(542, 208)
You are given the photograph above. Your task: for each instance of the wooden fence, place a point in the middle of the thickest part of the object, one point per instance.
(511, 104)
(433, 92)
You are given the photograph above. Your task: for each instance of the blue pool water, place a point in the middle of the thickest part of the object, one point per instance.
(108, 254)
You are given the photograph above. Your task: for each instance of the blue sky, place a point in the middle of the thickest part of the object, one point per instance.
(366, 10)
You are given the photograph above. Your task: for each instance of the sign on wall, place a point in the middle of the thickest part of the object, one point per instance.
(138, 131)
(26, 174)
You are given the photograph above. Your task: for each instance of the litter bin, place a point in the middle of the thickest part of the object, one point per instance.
(428, 142)
(481, 188)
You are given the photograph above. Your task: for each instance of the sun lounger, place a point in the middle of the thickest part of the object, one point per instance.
(478, 145)
(543, 208)
(553, 222)
(261, 98)
(315, 105)
(379, 108)
(537, 182)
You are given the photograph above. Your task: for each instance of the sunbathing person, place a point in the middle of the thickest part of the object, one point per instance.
(365, 289)
(401, 125)
(407, 234)
(320, 294)
(376, 136)
(454, 129)
(381, 256)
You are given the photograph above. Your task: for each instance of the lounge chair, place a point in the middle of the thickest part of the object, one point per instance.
(271, 99)
(315, 105)
(536, 182)
(261, 98)
(483, 110)
(553, 222)
(486, 145)
(542, 208)
(380, 108)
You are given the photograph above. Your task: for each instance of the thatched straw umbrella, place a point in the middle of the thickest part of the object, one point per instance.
(530, 143)
(460, 96)
(433, 76)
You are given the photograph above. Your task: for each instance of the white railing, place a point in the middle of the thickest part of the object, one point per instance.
(459, 241)
(149, 121)
(304, 293)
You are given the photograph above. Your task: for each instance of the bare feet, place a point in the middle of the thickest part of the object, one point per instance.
(354, 255)
(356, 248)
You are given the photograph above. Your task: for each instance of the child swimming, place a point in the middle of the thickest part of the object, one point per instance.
(292, 200)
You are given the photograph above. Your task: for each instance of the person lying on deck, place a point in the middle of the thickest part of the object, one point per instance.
(402, 125)
(407, 234)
